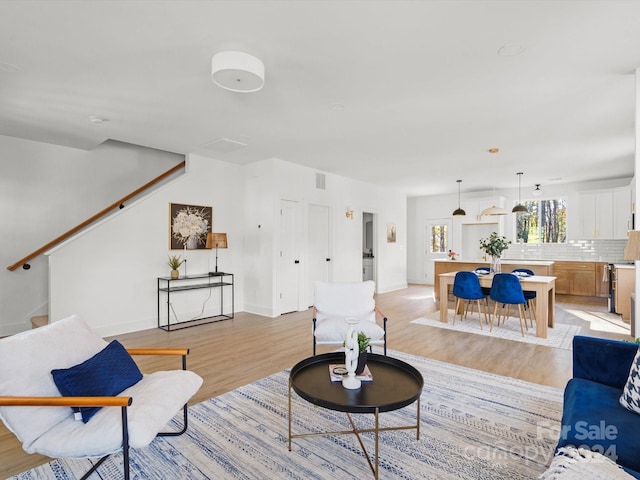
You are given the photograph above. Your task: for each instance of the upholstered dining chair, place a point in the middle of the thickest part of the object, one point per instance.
(506, 291)
(334, 302)
(67, 393)
(466, 289)
(530, 296)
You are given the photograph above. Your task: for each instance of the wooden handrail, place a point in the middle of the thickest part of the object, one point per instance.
(23, 262)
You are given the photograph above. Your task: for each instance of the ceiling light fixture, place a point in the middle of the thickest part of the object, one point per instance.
(519, 208)
(458, 211)
(536, 191)
(493, 210)
(237, 71)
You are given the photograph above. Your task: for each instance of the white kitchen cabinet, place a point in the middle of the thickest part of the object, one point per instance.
(605, 214)
(622, 206)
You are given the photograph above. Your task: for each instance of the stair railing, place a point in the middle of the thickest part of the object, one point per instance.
(118, 204)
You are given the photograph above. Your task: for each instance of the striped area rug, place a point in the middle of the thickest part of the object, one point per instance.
(474, 425)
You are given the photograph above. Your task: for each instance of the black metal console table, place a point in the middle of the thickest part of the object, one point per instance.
(168, 286)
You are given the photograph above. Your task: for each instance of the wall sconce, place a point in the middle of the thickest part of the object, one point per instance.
(349, 213)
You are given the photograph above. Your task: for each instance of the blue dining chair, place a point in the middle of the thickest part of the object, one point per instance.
(506, 290)
(466, 289)
(529, 296)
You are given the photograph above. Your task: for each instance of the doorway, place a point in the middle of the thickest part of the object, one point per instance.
(368, 247)
(438, 238)
(289, 261)
(319, 248)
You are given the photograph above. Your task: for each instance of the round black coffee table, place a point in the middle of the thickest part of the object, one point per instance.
(395, 385)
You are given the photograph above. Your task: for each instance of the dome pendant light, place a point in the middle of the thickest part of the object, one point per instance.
(458, 212)
(519, 208)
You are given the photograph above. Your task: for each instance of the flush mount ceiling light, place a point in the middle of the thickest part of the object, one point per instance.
(458, 211)
(519, 208)
(237, 71)
(536, 191)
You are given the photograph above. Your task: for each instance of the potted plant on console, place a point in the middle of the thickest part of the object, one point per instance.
(364, 343)
(493, 246)
(174, 262)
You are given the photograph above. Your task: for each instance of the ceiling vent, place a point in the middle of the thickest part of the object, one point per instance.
(224, 145)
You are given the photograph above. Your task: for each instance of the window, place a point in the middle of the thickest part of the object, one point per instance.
(546, 222)
(439, 238)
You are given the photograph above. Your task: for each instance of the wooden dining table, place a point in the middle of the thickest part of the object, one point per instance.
(545, 288)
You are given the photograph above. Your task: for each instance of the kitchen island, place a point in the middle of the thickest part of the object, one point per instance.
(539, 267)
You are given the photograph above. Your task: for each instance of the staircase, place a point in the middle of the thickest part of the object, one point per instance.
(39, 321)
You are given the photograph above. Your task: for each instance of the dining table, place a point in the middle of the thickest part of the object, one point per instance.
(544, 286)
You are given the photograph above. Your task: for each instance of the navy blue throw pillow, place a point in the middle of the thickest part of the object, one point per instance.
(106, 374)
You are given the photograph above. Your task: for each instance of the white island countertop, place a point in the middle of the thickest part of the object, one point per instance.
(544, 263)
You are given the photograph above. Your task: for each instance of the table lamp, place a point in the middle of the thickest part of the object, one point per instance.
(216, 240)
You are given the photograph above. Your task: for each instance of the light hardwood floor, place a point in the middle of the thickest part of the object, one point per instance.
(232, 353)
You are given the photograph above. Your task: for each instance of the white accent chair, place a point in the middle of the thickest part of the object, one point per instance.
(336, 301)
(32, 407)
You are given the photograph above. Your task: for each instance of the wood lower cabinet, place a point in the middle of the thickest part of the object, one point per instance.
(575, 278)
(624, 287)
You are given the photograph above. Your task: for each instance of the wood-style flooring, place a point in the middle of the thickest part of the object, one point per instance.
(232, 353)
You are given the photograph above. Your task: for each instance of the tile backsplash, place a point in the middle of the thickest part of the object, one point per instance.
(610, 251)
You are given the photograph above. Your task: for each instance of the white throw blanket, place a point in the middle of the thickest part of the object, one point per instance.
(582, 464)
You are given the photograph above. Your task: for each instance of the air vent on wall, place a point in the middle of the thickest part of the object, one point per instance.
(320, 180)
(224, 145)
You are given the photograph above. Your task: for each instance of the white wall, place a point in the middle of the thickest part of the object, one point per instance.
(273, 180)
(44, 191)
(108, 274)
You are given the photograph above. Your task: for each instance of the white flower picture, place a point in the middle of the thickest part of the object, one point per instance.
(189, 226)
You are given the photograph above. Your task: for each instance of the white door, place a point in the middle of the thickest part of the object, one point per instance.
(289, 268)
(438, 238)
(318, 241)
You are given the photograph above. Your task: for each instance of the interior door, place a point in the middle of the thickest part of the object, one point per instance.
(318, 241)
(289, 268)
(438, 238)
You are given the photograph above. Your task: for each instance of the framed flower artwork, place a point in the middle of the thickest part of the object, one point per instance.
(188, 226)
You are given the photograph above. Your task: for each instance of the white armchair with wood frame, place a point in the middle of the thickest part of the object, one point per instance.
(67, 393)
(334, 302)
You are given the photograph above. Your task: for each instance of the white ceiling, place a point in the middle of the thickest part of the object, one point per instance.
(424, 92)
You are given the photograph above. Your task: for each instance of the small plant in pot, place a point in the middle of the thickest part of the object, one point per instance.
(364, 343)
(174, 262)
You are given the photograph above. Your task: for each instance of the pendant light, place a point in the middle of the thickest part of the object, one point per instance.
(493, 210)
(458, 212)
(519, 208)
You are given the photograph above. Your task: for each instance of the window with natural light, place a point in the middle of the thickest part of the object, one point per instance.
(546, 222)
(439, 238)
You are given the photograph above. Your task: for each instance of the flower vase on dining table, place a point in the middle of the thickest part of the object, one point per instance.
(496, 266)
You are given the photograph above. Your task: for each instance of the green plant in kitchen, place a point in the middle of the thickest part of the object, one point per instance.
(494, 245)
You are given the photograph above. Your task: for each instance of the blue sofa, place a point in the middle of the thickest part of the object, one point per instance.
(592, 416)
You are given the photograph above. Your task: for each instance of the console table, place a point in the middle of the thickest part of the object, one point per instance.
(168, 286)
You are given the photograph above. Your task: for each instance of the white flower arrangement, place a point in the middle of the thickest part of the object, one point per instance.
(190, 222)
